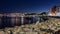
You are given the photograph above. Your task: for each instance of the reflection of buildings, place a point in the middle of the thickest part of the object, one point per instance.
(12, 19)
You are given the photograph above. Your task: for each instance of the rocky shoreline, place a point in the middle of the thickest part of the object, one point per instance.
(50, 26)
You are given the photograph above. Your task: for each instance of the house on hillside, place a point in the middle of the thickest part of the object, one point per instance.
(54, 11)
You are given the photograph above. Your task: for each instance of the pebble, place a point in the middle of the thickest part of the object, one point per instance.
(47, 27)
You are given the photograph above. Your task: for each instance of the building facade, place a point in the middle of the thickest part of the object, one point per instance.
(54, 11)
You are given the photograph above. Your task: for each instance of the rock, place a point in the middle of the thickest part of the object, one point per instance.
(50, 26)
(2, 32)
(31, 32)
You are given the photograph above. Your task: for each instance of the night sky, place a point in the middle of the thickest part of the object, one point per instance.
(7, 6)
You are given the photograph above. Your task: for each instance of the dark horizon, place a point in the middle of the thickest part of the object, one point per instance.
(8, 6)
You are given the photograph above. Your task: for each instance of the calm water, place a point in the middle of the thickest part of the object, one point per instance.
(16, 21)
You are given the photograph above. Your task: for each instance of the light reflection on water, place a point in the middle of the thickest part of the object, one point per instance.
(16, 21)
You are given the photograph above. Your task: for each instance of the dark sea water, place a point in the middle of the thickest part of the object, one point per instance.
(17, 21)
